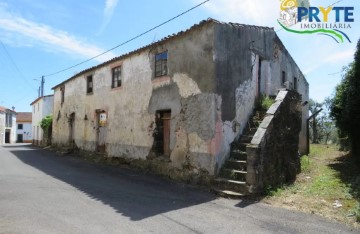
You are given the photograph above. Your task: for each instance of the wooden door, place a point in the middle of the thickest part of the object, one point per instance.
(7, 136)
(166, 123)
(71, 129)
(101, 132)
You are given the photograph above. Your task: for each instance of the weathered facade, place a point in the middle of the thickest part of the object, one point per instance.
(7, 126)
(41, 107)
(24, 127)
(186, 97)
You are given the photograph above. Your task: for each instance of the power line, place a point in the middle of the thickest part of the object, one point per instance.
(141, 34)
(14, 64)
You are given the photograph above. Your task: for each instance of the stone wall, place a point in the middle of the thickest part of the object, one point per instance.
(186, 91)
(273, 153)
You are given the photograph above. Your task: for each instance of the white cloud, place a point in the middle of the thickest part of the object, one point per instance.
(27, 33)
(110, 6)
(258, 12)
(335, 58)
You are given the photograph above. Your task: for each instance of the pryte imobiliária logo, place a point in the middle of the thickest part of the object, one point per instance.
(297, 16)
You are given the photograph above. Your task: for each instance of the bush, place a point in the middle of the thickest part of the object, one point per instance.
(264, 102)
(46, 123)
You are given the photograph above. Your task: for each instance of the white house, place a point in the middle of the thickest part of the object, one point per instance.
(24, 127)
(41, 107)
(7, 126)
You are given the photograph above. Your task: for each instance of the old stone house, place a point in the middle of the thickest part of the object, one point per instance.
(7, 126)
(186, 97)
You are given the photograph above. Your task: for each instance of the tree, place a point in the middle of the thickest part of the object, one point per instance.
(345, 106)
(46, 125)
(314, 106)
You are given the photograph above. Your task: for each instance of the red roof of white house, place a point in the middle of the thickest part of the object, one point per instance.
(24, 117)
(4, 109)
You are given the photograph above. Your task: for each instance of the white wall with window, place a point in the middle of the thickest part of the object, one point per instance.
(23, 132)
(7, 126)
(42, 107)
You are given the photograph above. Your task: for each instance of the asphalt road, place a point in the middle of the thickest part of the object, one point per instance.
(42, 192)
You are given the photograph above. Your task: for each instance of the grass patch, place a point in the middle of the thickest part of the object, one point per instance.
(329, 185)
(305, 164)
(264, 102)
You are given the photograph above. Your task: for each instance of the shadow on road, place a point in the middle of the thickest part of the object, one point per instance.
(20, 145)
(134, 194)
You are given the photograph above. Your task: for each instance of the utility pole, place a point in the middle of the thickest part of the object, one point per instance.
(42, 86)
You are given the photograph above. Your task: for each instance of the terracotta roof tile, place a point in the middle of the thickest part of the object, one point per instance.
(24, 117)
(4, 109)
(167, 38)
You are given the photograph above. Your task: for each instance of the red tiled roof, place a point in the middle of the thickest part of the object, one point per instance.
(4, 109)
(37, 99)
(24, 117)
(165, 39)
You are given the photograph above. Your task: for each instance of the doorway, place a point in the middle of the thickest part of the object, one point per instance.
(161, 133)
(7, 136)
(259, 77)
(101, 131)
(71, 129)
(19, 138)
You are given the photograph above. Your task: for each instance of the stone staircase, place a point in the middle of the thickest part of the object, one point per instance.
(231, 181)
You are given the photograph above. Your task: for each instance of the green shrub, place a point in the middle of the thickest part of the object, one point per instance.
(264, 102)
(305, 164)
(46, 122)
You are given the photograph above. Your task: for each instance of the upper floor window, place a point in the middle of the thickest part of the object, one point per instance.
(20, 126)
(161, 64)
(89, 84)
(295, 84)
(116, 77)
(8, 120)
(62, 90)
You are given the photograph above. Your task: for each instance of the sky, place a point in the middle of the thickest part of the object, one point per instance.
(42, 37)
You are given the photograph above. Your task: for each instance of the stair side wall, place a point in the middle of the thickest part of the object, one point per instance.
(273, 153)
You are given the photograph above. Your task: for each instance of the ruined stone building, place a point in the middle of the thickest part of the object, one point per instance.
(186, 97)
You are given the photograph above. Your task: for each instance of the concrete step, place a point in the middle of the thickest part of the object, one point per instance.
(250, 131)
(236, 164)
(238, 155)
(228, 193)
(242, 146)
(246, 138)
(231, 185)
(233, 174)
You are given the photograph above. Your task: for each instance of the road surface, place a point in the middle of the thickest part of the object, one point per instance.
(43, 192)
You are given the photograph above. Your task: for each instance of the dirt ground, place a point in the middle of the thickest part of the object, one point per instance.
(329, 186)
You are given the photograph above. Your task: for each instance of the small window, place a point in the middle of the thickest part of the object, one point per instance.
(283, 78)
(8, 120)
(161, 64)
(89, 84)
(20, 126)
(116, 77)
(295, 84)
(62, 90)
